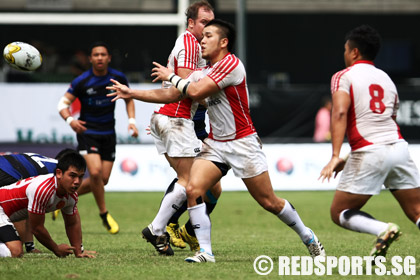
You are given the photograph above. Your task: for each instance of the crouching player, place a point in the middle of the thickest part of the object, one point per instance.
(33, 197)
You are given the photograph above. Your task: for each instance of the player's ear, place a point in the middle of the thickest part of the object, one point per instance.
(190, 23)
(224, 42)
(58, 173)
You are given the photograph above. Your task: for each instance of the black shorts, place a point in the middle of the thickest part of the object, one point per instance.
(104, 145)
(8, 233)
(6, 179)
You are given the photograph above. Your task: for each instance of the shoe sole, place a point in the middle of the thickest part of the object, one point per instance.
(163, 252)
(393, 236)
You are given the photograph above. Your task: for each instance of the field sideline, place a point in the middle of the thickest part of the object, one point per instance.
(242, 231)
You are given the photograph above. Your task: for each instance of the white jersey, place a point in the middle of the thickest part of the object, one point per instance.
(374, 104)
(228, 109)
(185, 54)
(36, 195)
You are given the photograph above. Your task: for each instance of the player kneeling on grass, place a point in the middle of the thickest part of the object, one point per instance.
(33, 197)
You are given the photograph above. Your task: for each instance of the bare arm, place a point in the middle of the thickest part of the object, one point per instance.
(195, 90)
(76, 125)
(341, 105)
(41, 233)
(131, 112)
(74, 233)
(161, 95)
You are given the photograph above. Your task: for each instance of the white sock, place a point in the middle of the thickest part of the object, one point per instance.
(290, 217)
(201, 223)
(359, 221)
(4, 251)
(418, 223)
(171, 202)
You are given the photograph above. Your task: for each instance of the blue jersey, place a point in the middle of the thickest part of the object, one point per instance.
(97, 110)
(22, 166)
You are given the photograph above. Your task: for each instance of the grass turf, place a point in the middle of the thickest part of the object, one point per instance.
(242, 231)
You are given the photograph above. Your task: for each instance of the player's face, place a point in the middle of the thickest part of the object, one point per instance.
(100, 59)
(197, 26)
(69, 181)
(211, 43)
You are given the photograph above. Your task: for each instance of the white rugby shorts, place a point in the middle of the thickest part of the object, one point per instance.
(4, 219)
(244, 155)
(174, 136)
(390, 165)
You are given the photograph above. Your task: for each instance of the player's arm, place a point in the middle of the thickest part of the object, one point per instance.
(38, 229)
(161, 95)
(63, 108)
(131, 112)
(74, 233)
(341, 105)
(194, 90)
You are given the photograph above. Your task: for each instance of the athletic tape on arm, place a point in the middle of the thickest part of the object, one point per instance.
(64, 103)
(180, 84)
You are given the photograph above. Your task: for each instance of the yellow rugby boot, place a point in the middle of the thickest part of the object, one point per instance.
(191, 240)
(175, 237)
(109, 223)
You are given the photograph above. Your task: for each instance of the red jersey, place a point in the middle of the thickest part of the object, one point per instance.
(37, 195)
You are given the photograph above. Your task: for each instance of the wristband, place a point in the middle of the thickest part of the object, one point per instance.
(132, 121)
(180, 84)
(69, 120)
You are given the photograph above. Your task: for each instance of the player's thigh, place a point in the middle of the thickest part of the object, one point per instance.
(409, 199)
(262, 191)
(94, 164)
(204, 174)
(182, 167)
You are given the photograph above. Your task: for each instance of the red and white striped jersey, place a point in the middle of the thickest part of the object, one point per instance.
(185, 54)
(374, 103)
(228, 109)
(37, 195)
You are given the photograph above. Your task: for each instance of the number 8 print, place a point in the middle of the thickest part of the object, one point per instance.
(377, 94)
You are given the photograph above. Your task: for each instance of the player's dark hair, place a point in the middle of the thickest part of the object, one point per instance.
(98, 44)
(192, 11)
(63, 152)
(71, 158)
(366, 39)
(226, 30)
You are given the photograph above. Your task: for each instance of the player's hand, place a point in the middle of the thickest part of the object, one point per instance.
(87, 254)
(133, 130)
(148, 131)
(335, 165)
(63, 250)
(78, 126)
(161, 72)
(120, 91)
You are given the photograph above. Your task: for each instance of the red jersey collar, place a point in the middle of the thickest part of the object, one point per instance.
(364, 61)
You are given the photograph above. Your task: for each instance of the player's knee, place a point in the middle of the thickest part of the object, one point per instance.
(95, 173)
(192, 192)
(335, 215)
(105, 180)
(16, 251)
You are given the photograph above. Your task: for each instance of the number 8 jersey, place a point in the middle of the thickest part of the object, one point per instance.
(373, 107)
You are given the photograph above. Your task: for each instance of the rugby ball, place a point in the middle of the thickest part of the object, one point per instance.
(22, 56)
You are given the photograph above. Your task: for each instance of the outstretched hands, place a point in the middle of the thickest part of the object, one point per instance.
(161, 72)
(120, 91)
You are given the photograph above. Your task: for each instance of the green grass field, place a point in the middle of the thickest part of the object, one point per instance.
(242, 231)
